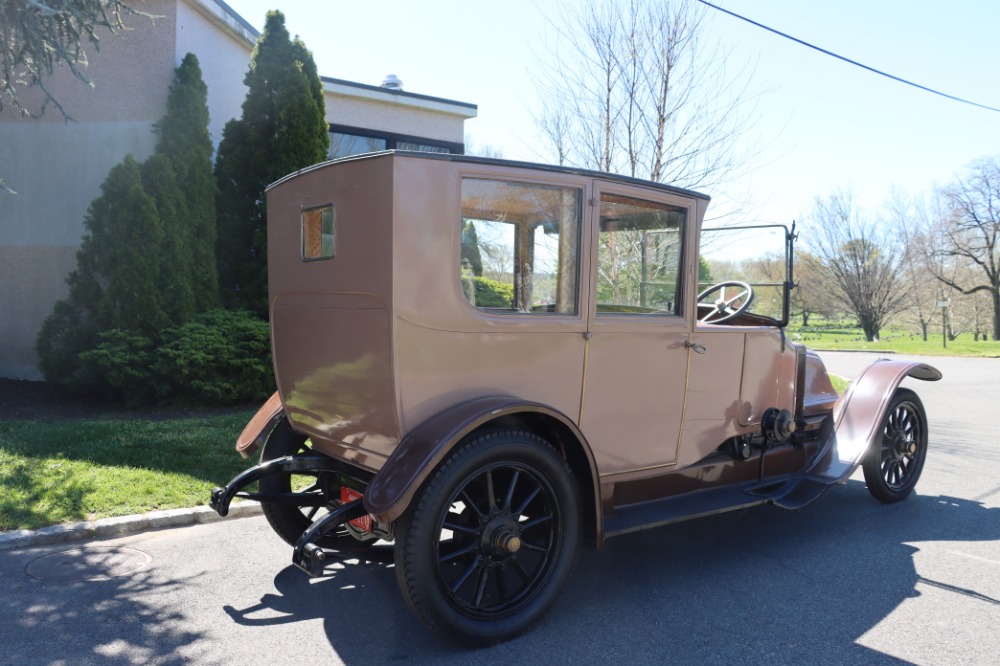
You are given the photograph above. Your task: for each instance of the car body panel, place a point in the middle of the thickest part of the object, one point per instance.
(384, 362)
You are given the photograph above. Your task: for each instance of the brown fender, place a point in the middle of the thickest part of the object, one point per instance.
(394, 486)
(858, 414)
(255, 433)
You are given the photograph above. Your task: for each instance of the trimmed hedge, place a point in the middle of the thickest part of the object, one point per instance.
(221, 357)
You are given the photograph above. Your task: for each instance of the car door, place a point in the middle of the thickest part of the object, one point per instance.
(636, 360)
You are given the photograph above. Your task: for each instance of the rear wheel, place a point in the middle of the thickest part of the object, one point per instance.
(895, 461)
(490, 538)
(289, 521)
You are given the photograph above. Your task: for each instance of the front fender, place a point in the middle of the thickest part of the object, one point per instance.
(423, 449)
(858, 415)
(256, 432)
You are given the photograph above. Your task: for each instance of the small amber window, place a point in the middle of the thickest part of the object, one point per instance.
(319, 233)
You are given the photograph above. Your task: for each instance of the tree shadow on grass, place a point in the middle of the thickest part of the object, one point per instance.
(62, 471)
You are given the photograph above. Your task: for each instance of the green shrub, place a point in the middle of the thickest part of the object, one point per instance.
(221, 357)
(493, 294)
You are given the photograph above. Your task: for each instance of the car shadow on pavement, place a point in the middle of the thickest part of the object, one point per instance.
(762, 586)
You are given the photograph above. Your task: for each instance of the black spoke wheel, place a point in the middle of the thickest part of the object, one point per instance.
(893, 465)
(289, 522)
(490, 538)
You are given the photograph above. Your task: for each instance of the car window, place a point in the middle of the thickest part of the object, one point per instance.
(520, 246)
(639, 256)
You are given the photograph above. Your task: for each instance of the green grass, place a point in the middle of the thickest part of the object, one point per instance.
(901, 342)
(56, 472)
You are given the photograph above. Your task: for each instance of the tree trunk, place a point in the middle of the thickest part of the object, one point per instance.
(871, 331)
(996, 314)
(805, 319)
(923, 329)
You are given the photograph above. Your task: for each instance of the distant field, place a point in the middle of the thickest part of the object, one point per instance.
(901, 342)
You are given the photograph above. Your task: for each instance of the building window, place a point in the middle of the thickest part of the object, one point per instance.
(344, 145)
(520, 247)
(639, 256)
(346, 141)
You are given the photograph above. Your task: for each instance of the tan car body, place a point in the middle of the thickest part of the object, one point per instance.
(384, 364)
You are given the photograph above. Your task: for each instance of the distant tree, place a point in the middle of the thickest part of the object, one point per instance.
(282, 129)
(632, 87)
(470, 249)
(704, 270)
(183, 139)
(967, 236)
(862, 259)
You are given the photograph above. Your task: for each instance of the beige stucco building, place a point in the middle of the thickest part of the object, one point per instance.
(56, 167)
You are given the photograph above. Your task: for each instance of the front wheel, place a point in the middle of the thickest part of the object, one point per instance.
(490, 539)
(893, 465)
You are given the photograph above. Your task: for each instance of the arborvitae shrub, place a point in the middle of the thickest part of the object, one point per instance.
(493, 294)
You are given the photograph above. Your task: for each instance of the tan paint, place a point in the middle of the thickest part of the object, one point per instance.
(384, 363)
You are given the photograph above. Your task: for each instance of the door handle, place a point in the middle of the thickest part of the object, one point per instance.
(700, 349)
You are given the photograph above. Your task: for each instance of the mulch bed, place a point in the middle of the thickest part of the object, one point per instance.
(24, 400)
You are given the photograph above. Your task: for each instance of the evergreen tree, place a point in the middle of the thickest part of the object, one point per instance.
(282, 129)
(470, 249)
(175, 260)
(116, 284)
(184, 140)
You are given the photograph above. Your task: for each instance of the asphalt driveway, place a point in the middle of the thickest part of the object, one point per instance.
(844, 581)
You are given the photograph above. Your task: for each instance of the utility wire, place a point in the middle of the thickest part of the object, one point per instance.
(848, 60)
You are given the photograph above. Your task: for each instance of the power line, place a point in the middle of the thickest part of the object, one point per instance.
(848, 60)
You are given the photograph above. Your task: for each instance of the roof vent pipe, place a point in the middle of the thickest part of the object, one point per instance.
(392, 82)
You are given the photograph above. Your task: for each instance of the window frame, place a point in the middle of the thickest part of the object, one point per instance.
(392, 138)
(302, 232)
(582, 286)
(611, 189)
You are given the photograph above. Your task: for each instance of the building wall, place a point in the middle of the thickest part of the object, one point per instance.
(393, 116)
(57, 167)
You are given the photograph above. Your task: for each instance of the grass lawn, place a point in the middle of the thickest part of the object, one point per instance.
(834, 338)
(55, 472)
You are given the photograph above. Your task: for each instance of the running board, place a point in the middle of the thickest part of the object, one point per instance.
(789, 493)
(793, 493)
(669, 510)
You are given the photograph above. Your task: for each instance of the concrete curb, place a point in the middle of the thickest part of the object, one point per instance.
(121, 525)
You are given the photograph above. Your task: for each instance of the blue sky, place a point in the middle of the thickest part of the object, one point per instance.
(824, 124)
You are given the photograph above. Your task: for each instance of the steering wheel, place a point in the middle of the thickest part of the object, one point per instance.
(722, 309)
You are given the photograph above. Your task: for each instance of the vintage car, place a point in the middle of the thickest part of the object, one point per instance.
(482, 364)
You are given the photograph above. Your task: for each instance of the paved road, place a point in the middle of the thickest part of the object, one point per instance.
(844, 581)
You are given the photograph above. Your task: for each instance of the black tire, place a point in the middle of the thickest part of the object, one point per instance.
(490, 538)
(893, 465)
(289, 522)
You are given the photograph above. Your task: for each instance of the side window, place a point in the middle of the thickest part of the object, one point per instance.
(639, 256)
(520, 246)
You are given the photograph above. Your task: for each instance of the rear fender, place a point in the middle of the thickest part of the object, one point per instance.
(858, 415)
(423, 449)
(256, 432)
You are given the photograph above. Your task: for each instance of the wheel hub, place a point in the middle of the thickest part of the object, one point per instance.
(499, 538)
(902, 447)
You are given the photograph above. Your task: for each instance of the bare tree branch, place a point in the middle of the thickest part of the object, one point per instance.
(627, 87)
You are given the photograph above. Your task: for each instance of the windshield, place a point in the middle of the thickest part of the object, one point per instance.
(758, 256)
